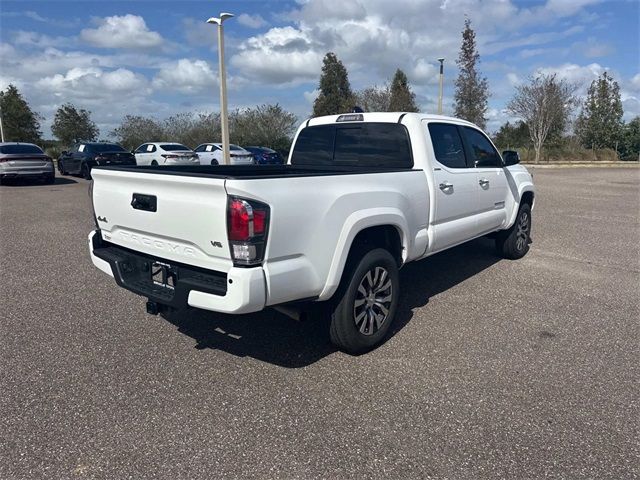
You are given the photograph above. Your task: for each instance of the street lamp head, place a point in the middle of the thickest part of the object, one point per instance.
(218, 21)
(441, 60)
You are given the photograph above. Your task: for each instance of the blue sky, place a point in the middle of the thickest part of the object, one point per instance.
(157, 58)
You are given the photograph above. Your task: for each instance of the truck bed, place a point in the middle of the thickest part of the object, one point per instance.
(248, 172)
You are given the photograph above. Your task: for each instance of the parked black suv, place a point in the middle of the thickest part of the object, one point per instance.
(85, 155)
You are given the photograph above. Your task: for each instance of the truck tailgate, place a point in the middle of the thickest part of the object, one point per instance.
(187, 224)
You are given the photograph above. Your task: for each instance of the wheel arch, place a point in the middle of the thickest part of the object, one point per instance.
(385, 231)
(526, 195)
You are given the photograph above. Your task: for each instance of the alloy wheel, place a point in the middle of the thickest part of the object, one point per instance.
(373, 301)
(522, 231)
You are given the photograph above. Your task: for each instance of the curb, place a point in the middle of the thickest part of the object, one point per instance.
(584, 165)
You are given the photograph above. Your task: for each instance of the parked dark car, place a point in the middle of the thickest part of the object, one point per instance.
(85, 155)
(25, 160)
(265, 156)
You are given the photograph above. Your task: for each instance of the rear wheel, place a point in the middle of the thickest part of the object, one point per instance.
(214, 162)
(514, 243)
(367, 303)
(154, 163)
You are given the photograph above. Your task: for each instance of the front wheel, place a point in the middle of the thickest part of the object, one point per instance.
(367, 303)
(514, 243)
(61, 168)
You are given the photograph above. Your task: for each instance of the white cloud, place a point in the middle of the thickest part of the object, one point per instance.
(251, 21)
(187, 76)
(594, 48)
(35, 39)
(424, 72)
(282, 55)
(311, 96)
(513, 79)
(93, 83)
(635, 81)
(128, 31)
(30, 14)
(580, 75)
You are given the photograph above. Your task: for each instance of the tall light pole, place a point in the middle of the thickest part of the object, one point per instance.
(441, 60)
(224, 120)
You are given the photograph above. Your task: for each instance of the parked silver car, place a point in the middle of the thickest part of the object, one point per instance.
(25, 160)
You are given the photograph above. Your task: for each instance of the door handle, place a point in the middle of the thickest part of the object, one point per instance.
(445, 186)
(483, 182)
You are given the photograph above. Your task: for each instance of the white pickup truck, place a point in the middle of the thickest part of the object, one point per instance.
(360, 196)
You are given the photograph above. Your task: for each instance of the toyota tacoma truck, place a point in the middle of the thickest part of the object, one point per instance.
(361, 195)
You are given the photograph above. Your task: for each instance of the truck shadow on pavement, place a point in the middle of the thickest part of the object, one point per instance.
(274, 338)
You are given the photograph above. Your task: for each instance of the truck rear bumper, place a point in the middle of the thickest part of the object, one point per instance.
(240, 290)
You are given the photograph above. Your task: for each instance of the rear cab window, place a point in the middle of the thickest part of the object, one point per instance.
(354, 144)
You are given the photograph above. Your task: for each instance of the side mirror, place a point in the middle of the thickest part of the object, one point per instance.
(510, 157)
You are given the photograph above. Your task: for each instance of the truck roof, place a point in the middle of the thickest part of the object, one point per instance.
(382, 117)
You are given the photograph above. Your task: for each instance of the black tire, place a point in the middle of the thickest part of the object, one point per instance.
(154, 163)
(214, 162)
(85, 171)
(61, 168)
(514, 242)
(50, 179)
(356, 326)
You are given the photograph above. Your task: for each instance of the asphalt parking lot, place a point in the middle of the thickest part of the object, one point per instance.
(495, 369)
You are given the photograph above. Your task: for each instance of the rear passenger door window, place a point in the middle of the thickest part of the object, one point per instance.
(481, 151)
(447, 145)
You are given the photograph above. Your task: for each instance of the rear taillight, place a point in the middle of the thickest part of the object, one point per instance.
(247, 227)
(164, 155)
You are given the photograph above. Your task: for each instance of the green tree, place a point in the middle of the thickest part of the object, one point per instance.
(265, 125)
(545, 103)
(335, 91)
(599, 124)
(19, 122)
(630, 143)
(402, 98)
(136, 130)
(513, 135)
(472, 90)
(374, 99)
(71, 124)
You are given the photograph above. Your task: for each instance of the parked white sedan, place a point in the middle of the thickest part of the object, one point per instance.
(211, 154)
(165, 153)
